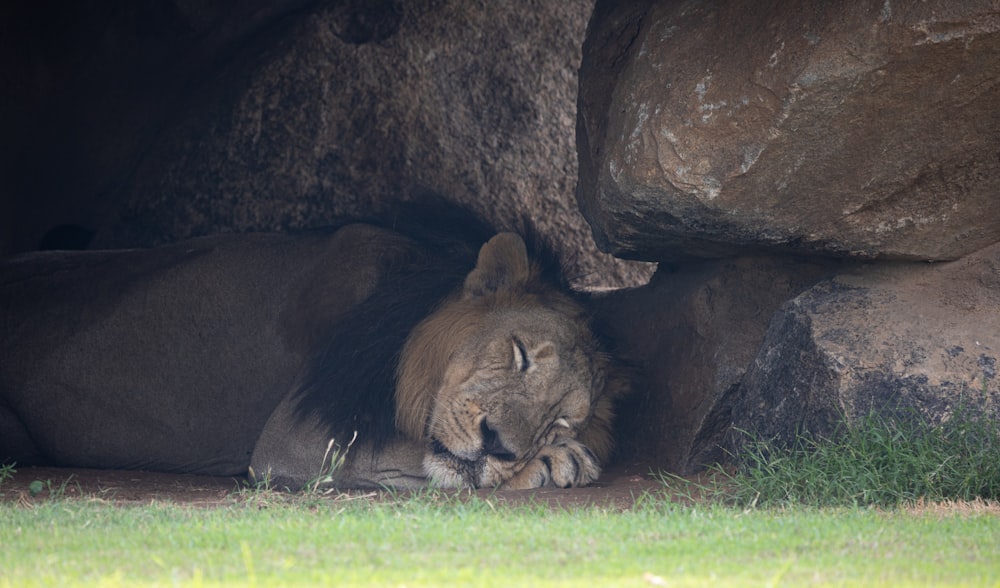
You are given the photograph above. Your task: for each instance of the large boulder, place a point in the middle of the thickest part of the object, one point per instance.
(358, 105)
(865, 129)
(884, 339)
(692, 332)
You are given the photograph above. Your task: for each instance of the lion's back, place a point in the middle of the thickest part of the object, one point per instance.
(170, 358)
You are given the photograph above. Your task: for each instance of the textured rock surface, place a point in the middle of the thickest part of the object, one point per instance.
(883, 338)
(693, 332)
(362, 104)
(88, 85)
(866, 128)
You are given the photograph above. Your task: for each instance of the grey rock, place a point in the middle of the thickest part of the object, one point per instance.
(864, 129)
(359, 105)
(88, 88)
(691, 333)
(887, 339)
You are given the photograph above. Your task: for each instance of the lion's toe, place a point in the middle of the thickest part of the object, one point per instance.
(566, 464)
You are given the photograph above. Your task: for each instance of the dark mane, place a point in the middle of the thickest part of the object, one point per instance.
(351, 378)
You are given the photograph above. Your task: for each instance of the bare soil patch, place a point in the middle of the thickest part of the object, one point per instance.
(619, 488)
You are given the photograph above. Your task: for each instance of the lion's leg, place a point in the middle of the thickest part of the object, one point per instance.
(291, 451)
(296, 451)
(397, 464)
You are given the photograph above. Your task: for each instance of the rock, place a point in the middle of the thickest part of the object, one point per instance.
(361, 104)
(87, 87)
(692, 332)
(867, 129)
(887, 338)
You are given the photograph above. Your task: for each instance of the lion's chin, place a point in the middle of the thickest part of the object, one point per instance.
(447, 470)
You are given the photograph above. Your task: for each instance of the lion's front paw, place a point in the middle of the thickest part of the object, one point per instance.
(563, 464)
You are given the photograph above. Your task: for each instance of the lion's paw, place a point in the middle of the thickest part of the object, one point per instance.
(564, 464)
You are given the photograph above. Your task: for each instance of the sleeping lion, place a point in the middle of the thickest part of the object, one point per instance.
(364, 357)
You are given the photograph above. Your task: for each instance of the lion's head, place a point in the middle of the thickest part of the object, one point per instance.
(505, 383)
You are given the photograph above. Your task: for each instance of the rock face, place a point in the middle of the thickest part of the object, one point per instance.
(692, 331)
(775, 346)
(362, 104)
(188, 119)
(88, 86)
(866, 129)
(884, 339)
(747, 146)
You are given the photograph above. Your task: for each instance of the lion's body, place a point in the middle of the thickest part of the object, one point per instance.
(223, 353)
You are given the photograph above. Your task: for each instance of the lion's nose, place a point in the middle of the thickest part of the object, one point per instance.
(492, 445)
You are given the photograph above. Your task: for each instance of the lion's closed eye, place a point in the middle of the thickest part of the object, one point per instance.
(526, 359)
(522, 362)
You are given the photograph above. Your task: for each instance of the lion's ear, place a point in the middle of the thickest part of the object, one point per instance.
(502, 265)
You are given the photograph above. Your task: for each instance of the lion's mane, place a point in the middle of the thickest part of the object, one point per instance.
(351, 380)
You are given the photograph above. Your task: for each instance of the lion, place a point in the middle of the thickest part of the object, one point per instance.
(364, 357)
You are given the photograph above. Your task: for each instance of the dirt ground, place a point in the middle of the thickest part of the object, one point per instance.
(618, 488)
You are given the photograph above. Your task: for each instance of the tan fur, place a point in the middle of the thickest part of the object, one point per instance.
(511, 358)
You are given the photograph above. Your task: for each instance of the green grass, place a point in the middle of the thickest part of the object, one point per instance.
(832, 511)
(433, 541)
(877, 461)
(7, 472)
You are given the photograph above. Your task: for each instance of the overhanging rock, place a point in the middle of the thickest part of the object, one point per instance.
(864, 129)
